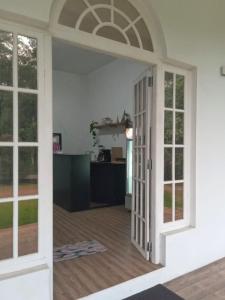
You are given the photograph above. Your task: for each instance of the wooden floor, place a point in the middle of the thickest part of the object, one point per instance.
(110, 226)
(207, 283)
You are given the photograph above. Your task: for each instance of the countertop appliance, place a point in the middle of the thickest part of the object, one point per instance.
(104, 155)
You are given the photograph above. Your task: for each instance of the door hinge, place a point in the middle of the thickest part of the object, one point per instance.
(149, 247)
(149, 164)
(150, 81)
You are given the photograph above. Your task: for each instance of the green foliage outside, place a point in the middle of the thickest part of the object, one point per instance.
(6, 215)
(27, 213)
(27, 78)
(168, 200)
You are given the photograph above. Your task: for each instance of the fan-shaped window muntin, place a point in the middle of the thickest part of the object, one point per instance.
(97, 17)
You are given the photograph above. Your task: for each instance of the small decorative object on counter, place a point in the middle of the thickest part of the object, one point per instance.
(57, 143)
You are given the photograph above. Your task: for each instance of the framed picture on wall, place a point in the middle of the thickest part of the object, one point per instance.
(57, 143)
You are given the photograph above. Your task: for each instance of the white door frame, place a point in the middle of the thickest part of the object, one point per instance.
(157, 64)
(45, 237)
(153, 59)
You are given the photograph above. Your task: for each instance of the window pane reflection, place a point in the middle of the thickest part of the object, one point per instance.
(168, 202)
(179, 201)
(27, 62)
(168, 164)
(27, 117)
(28, 227)
(28, 171)
(169, 90)
(179, 162)
(6, 116)
(179, 128)
(6, 58)
(6, 230)
(6, 172)
(168, 128)
(179, 91)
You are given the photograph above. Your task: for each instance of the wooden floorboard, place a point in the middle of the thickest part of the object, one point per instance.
(207, 283)
(110, 226)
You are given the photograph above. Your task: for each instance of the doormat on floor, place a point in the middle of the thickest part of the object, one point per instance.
(67, 252)
(158, 292)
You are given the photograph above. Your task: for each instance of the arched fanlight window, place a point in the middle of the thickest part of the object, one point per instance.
(117, 20)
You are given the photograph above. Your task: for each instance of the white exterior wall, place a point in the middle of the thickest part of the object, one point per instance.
(38, 10)
(194, 33)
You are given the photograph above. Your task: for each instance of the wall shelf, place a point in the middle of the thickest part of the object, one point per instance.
(111, 125)
(112, 128)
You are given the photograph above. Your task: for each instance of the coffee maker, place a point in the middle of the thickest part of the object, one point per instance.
(104, 155)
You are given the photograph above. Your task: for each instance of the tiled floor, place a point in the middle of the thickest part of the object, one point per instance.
(207, 283)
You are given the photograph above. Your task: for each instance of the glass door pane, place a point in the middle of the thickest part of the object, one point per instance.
(19, 145)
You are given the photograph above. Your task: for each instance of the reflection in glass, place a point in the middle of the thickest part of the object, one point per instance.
(129, 166)
(179, 201)
(179, 91)
(179, 128)
(143, 201)
(139, 198)
(134, 233)
(6, 230)
(6, 172)
(140, 96)
(169, 90)
(28, 227)
(28, 171)
(27, 117)
(6, 116)
(27, 62)
(139, 231)
(168, 164)
(143, 240)
(144, 130)
(136, 91)
(168, 128)
(179, 163)
(168, 203)
(6, 58)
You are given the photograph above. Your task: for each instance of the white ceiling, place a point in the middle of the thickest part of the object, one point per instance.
(71, 59)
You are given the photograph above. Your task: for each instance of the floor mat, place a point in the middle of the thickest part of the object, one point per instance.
(67, 252)
(158, 292)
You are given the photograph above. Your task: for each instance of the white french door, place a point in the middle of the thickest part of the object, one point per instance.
(25, 148)
(141, 199)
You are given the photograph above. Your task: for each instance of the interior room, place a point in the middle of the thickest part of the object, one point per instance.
(93, 106)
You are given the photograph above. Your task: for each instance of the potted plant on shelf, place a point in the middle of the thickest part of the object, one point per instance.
(93, 132)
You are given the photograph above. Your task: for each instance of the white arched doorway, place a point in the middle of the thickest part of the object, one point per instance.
(123, 28)
(125, 45)
(131, 29)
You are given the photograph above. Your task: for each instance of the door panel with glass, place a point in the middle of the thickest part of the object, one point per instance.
(141, 165)
(19, 145)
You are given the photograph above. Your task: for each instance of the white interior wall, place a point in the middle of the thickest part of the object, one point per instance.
(79, 99)
(110, 93)
(70, 104)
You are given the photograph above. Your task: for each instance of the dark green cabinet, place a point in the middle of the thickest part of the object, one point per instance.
(71, 181)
